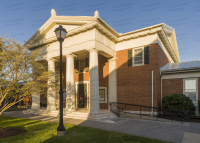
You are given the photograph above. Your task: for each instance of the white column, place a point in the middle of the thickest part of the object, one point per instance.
(70, 83)
(94, 82)
(35, 101)
(51, 94)
(112, 81)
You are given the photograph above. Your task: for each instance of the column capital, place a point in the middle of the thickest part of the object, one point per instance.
(93, 50)
(52, 60)
(112, 59)
(70, 55)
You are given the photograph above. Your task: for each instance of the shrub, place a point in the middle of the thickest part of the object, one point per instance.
(179, 102)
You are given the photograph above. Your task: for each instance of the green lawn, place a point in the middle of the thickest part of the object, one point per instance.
(42, 131)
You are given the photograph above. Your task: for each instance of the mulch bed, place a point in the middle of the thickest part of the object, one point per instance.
(8, 132)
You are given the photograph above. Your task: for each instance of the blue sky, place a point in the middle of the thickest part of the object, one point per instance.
(21, 19)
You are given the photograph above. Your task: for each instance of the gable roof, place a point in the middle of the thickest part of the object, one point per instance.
(165, 32)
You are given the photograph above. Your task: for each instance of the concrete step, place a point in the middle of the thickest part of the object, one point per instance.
(101, 116)
(75, 115)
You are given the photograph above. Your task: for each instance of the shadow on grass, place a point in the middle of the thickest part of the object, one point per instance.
(43, 131)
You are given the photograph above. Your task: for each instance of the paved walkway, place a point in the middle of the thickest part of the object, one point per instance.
(172, 132)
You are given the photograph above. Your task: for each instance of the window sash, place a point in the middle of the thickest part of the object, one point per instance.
(102, 94)
(190, 89)
(138, 56)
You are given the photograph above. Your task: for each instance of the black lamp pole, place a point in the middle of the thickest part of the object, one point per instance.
(61, 33)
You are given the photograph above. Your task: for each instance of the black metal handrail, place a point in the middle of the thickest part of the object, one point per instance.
(116, 111)
(172, 114)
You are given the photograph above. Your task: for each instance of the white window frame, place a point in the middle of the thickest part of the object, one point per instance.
(133, 58)
(195, 103)
(79, 61)
(105, 88)
(196, 88)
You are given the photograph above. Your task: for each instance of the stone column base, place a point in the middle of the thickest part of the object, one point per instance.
(96, 112)
(51, 108)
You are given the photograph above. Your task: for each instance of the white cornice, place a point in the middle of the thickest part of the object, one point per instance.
(78, 30)
(108, 27)
(127, 36)
(167, 44)
(80, 20)
(167, 28)
(138, 34)
(98, 23)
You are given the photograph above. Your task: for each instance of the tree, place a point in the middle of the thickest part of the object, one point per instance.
(18, 64)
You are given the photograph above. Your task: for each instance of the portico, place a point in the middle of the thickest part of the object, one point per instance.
(87, 63)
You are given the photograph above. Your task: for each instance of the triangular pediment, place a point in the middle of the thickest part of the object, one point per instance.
(46, 31)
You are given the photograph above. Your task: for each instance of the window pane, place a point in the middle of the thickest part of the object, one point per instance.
(138, 58)
(191, 95)
(102, 94)
(190, 84)
(190, 89)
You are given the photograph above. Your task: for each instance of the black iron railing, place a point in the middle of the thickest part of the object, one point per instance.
(139, 110)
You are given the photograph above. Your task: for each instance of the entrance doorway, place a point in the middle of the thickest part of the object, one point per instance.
(82, 95)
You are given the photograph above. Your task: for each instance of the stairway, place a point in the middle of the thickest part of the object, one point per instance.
(87, 116)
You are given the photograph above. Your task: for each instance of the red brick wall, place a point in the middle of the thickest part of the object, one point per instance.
(170, 86)
(26, 101)
(134, 84)
(161, 61)
(103, 77)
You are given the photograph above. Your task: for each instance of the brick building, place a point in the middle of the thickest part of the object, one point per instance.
(102, 66)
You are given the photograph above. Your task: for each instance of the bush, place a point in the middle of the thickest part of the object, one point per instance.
(179, 102)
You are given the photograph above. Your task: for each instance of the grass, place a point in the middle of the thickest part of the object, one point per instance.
(43, 131)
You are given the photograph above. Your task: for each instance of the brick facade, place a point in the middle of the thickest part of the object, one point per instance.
(134, 84)
(170, 86)
(103, 77)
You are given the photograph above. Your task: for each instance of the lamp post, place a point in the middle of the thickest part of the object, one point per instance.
(60, 34)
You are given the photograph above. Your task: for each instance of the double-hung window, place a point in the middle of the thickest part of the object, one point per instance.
(190, 89)
(81, 65)
(102, 94)
(138, 56)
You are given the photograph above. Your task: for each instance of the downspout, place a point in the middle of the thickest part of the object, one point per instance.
(152, 95)
(161, 91)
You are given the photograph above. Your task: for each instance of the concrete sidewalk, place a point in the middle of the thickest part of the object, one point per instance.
(171, 132)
